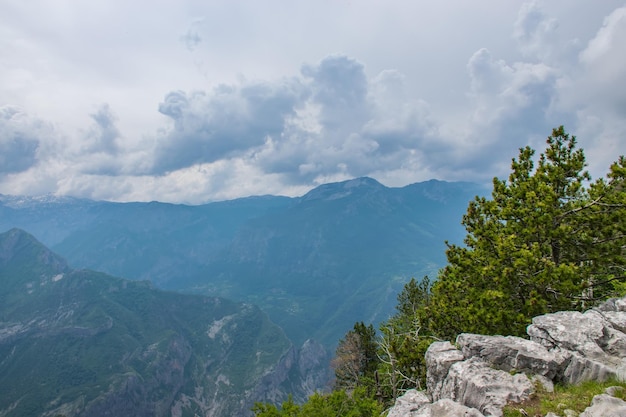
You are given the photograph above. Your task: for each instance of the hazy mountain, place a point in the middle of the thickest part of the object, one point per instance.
(340, 253)
(82, 343)
(315, 263)
(155, 241)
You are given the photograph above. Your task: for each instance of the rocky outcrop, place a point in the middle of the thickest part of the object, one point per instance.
(300, 372)
(605, 405)
(479, 375)
(417, 404)
(475, 383)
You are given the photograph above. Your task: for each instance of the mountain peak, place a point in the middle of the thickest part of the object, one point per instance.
(361, 182)
(13, 239)
(18, 244)
(337, 190)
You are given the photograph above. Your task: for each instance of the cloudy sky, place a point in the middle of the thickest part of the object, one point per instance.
(202, 100)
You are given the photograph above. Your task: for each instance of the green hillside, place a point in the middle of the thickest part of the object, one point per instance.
(81, 343)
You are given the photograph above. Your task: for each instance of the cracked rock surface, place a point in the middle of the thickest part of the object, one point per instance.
(480, 374)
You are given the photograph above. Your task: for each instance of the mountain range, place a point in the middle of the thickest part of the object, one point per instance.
(82, 343)
(316, 263)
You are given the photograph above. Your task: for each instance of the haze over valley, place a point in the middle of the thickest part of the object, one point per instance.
(315, 264)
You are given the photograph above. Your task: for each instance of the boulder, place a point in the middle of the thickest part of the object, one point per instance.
(591, 346)
(617, 319)
(475, 384)
(416, 404)
(604, 405)
(589, 333)
(481, 374)
(449, 408)
(581, 368)
(412, 404)
(511, 353)
(570, 330)
(439, 357)
(613, 304)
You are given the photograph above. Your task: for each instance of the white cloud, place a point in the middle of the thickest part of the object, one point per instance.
(595, 95)
(536, 33)
(104, 135)
(192, 38)
(398, 120)
(212, 100)
(604, 64)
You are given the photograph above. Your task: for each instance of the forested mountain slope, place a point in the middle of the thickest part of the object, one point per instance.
(82, 343)
(315, 263)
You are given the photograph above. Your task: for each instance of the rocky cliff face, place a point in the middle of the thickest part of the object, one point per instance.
(479, 375)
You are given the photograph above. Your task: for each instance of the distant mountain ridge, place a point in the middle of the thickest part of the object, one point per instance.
(338, 190)
(315, 263)
(81, 343)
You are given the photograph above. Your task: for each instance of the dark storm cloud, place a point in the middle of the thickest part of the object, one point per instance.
(19, 140)
(222, 123)
(330, 120)
(350, 126)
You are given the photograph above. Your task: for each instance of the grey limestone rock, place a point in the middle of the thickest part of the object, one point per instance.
(416, 404)
(412, 404)
(485, 373)
(613, 304)
(589, 333)
(569, 330)
(593, 347)
(474, 383)
(604, 405)
(440, 356)
(581, 368)
(617, 319)
(449, 408)
(511, 353)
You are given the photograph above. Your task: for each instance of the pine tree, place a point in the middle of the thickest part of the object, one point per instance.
(356, 359)
(404, 341)
(540, 244)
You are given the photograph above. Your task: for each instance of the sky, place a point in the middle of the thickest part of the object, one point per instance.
(192, 101)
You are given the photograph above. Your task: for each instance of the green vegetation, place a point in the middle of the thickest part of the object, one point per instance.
(549, 239)
(544, 242)
(75, 340)
(569, 397)
(404, 340)
(338, 403)
(356, 359)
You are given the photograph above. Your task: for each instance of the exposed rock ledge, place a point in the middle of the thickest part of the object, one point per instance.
(480, 374)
